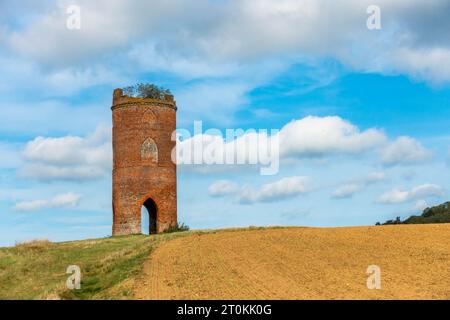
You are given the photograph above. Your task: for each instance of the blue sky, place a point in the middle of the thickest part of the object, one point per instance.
(364, 114)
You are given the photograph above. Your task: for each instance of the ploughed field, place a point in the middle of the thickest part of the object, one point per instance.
(301, 263)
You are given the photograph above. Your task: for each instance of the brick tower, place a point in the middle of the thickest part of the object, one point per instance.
(143, 171)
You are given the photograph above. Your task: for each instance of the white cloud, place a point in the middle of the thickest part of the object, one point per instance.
(431, 64)
(50, 42)
(347, 190)
(374, 177)
(309, 137)
(70, 157)
(420, 205)
(421, 192)
(411, 40)
(303, 138)
(215, 150)
(404, 150)
(284, 188)
(318, 136)
(29, 77)
(222, 188)
(426, 190)
(147, 57)
(66, 200)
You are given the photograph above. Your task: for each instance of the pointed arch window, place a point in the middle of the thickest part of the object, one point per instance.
(149, 151)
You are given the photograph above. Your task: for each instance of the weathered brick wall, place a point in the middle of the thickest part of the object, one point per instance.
(141, 170)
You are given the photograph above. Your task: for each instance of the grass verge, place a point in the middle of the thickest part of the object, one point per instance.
(109, 267)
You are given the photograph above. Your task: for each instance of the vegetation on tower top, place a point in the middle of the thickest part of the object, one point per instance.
(146, 90)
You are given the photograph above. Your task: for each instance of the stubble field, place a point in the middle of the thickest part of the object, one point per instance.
(301, 263)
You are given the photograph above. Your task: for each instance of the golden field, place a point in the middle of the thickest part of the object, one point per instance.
(301, 263)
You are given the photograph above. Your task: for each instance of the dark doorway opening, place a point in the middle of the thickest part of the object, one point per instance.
(149, 219)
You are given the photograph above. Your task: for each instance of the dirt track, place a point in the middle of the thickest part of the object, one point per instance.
(302, 263)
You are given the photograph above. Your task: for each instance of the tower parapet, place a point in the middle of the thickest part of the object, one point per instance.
(120, 100)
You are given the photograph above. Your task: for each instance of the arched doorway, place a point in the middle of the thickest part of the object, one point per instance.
(149, 214)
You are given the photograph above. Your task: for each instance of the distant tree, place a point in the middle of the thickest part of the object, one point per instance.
(428, 212)
(436, 214)
(146, 90)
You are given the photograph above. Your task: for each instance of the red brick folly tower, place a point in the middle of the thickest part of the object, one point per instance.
(143, 171)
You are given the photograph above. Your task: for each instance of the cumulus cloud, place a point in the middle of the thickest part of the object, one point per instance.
(303, 138)
(285, 188)
(421, 192)
(347, 190)
(70, 157)
(404, 150)
(66, 200)
(282, 189)
(222, 188)
(236, 148)
(318, 136)
(309, 137)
